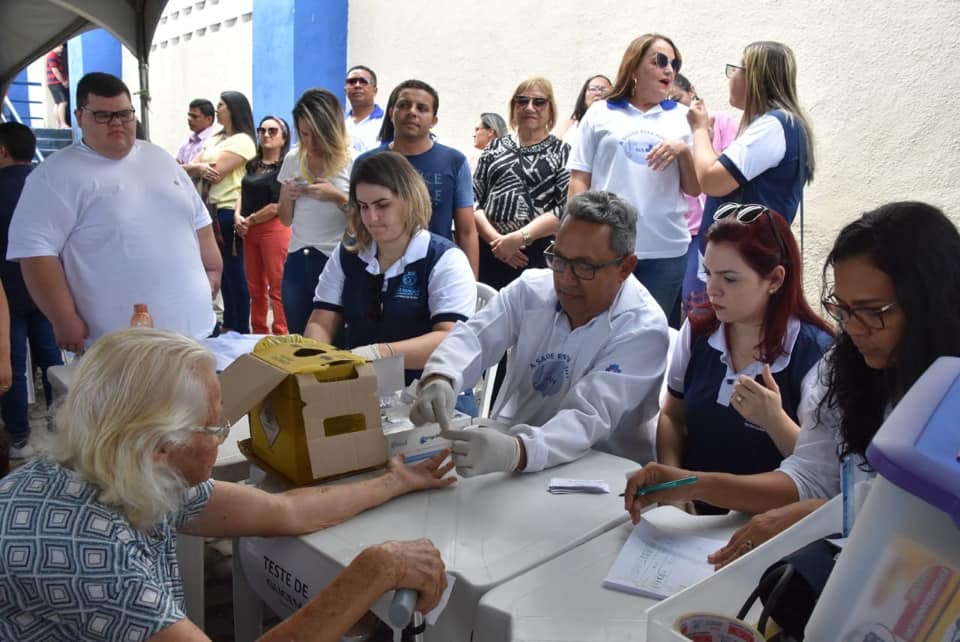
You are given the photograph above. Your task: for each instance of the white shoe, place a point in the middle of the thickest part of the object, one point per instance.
(22, 453)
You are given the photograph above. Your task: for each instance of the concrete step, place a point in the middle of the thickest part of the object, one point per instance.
(51, 140)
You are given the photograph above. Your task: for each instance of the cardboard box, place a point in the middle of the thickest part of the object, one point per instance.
(314, 410)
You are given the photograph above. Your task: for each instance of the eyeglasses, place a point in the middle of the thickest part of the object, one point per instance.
(105, 117)
(733, 69)
(523, 101)
(662, 61)
(868, 317)
(356, 80)
(220, 432)
(583, 270)
(268, 130)
(750, 213)
(597, 89)
(375, 297)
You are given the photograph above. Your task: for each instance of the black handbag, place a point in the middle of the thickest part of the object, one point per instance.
(789, 588)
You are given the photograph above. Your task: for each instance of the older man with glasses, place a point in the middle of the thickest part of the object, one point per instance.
(111, 221)
(588, 352)
(365, 116)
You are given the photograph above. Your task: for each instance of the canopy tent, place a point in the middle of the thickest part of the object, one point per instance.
(31, 28)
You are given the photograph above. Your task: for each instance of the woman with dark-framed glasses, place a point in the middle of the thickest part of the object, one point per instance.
(895, 283)
(772, 157)
(400, 288)
(594, 88)
(746, 355)
(636, 143)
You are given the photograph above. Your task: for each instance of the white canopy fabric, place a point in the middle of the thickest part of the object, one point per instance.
(31, 28)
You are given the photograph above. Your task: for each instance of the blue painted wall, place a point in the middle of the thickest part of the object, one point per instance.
(95, 50)
(297, 44)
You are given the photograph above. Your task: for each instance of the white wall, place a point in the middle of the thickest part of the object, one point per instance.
(201, 48)
(879, 78)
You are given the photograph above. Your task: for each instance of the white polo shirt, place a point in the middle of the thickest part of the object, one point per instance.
(613, 141)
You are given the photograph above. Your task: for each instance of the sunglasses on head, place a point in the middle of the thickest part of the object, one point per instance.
(748, 214)
(662, 61)
(523, 101)
(357, 80)
(268, 130)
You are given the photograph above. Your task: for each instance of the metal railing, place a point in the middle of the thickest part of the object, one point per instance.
(9, 106)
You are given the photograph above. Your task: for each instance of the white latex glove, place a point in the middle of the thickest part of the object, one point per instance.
(369, 352)
(478, 451)
(435, 402)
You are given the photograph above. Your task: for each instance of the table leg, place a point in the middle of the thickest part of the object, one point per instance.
(247, 605)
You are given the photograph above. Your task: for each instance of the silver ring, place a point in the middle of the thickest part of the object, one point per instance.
(739, 398)
(748, 544)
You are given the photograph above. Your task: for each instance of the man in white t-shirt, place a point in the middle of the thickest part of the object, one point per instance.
(365, 116)
(111, 221)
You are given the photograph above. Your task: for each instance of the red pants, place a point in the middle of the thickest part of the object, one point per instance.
(264, 252)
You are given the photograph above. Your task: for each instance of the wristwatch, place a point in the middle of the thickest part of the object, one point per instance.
(525, 235)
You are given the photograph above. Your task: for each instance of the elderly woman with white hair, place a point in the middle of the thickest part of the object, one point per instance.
(88, 529)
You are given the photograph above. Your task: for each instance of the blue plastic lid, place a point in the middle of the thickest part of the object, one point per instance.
(918, 446)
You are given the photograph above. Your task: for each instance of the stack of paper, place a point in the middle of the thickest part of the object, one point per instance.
(561, 486)
(657, 564)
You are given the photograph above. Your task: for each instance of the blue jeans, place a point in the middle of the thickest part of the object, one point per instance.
(663, 278)
(35, 328)
(301, 273)
(233, 285)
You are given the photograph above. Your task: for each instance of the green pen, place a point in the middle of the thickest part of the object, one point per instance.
(653, 488)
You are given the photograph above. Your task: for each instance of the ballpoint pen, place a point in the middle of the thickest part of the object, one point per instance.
(653, 488)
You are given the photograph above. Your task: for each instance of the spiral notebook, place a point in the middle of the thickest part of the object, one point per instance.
(656, 564)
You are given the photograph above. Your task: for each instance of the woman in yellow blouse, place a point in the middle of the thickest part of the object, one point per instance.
(221, 166)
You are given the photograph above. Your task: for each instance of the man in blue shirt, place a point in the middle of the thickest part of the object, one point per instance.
(445, 170)
(17, 145)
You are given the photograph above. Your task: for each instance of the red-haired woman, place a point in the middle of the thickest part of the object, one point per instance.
(742, 362)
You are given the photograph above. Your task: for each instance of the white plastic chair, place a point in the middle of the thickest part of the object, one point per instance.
(484, 294)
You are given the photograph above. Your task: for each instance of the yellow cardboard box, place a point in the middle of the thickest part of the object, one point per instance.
(314, 410)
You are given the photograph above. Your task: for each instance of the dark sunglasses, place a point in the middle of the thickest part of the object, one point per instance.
(268, 130)
(662, 61)
(357, 80)
(375, 297)
(748, 214)
(523, 101)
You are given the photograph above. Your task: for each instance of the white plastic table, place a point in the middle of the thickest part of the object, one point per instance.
(488, 529)
(564, 599)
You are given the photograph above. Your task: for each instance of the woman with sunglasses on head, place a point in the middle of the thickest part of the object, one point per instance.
(772, 158)
(265, 238)
(222, 165)
(594, 88)
(520, 187)
(896, 283)
(400, 288)
(636, 143)
(744, 359)
(313, 200)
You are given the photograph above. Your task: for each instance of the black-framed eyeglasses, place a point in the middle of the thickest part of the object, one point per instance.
(537, 101)
(268, 130)
(375, 297)
(869, 317)
(748, 213)
(105, 117)
(221, 432)
(731, 70)
(661, 60)
(356, 80)
(583, 270)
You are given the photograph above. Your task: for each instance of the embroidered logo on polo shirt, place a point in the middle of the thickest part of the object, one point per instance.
(408, 286)
(613, 367)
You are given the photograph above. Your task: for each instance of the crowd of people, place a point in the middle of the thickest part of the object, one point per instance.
(640, 208)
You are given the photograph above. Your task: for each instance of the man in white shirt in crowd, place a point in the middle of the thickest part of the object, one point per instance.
(200, 117)
(365, 116)
(589, 349)
(112, 221)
